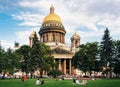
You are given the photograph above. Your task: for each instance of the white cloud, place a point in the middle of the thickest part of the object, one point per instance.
(28, 23)
(23, 36)
(81, 13)
(28, 19)
(5, 44)
(89, 14)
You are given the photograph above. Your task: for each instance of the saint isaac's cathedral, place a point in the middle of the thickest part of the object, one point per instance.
(52, 33)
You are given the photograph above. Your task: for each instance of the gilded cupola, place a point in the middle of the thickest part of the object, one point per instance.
(32, 34)
(75, 36)
(52, 16)
(52, 29)
(52, 20)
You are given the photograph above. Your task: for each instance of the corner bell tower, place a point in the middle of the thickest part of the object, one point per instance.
(31, 38)
(75, 42)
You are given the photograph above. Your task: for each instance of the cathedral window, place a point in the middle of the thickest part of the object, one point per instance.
(56, 24)
(43, 38)
(53, 24)
(48, 24)
(46, 37)
(53, 37)
(76, 43)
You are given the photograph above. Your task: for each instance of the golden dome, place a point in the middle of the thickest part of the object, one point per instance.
(52, 16)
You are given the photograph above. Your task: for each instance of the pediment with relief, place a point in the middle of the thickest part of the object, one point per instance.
(60, 51)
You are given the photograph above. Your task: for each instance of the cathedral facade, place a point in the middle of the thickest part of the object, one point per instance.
(52, 33)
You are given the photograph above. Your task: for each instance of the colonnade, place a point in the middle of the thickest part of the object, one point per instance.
(65, 66)
(53, 37)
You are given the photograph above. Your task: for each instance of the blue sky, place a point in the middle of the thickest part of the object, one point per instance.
(89, 18)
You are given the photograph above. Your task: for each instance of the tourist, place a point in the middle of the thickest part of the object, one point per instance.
(74, 81)
(77, 81)
(42, 82)
(62, 77)
(84, 82)
(24, 78)
(37, 82)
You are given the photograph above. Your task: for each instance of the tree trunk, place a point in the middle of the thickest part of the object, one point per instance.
(90, 73)
(110, 72)
(32, 75)
(41, 73)
(85, 74)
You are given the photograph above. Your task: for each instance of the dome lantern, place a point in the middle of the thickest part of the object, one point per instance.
(51, 9)
(52, 16)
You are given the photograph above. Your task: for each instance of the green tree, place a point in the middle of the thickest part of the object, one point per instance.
(48, 64)
(39, 50)
(41, 57)
(48, 60)
(51, 67)
(116, 69)
(92, 53)
(85, 58)
(55, 73)
(116, 57)
(96, 66)
(2, 56)
(9, 61)
(106, 51)
(24, 52)
(36, 56)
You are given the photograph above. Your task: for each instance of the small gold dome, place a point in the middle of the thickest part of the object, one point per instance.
(52, 16)
(75, 35)
(32, 34)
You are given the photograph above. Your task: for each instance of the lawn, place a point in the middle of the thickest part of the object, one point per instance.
(62, 83)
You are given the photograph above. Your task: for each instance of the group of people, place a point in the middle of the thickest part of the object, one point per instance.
(39, 82)
(24, 78)
(76, 81)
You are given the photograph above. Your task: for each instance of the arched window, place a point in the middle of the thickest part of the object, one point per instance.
(43, 38)
(76, 43)
(47, 38)
(53, 37)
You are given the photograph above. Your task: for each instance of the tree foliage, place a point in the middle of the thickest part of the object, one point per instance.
(116, 57)
(90, 57)
(85, 58)
(24, 52)
(9, 61)
(41, 56)
(2, 54)
(106, 51)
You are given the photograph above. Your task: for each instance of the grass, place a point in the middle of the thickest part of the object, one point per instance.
(63, 83)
